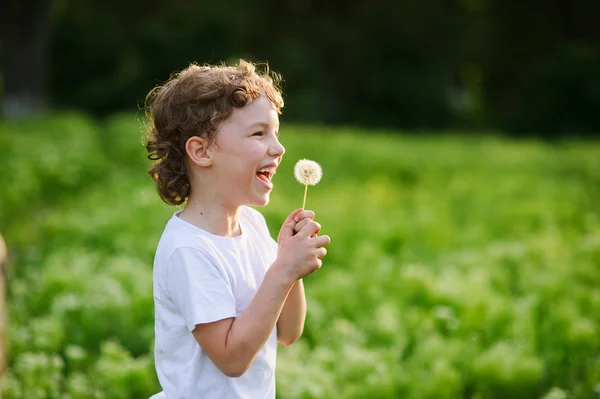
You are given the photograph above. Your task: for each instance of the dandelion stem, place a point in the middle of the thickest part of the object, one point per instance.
(305, 190)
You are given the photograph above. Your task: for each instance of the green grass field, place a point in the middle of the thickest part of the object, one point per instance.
(461, 266)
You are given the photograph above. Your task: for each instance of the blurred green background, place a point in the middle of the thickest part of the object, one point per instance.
(461, 189)
(520, 67)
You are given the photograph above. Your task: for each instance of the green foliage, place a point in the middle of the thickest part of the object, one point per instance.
(459, 267)
(430, 64)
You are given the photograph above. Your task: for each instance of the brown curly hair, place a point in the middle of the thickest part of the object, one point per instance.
(194, 102)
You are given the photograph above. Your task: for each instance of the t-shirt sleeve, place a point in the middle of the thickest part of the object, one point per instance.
(198, 288)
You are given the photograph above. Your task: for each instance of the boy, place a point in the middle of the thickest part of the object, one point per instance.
(225, 292)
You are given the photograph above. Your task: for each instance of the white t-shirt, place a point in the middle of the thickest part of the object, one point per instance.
(201, 278)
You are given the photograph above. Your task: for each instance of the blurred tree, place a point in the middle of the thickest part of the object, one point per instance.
(542, 66)
(3, 258)
(25, 35)
(416, 64)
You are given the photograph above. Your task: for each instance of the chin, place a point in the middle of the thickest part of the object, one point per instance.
(261, 201)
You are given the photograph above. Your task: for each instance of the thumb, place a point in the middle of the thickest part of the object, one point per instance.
(287, 229)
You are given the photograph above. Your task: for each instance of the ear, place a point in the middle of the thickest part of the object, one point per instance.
(196, 148)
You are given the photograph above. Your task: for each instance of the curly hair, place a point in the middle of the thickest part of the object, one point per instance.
(194, 102)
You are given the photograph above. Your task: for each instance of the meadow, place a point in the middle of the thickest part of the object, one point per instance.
(461, 265)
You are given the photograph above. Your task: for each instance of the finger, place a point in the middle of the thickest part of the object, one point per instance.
(321, 252)
(301, 224)
(305, 214)
(311, 228)
(287, 229)
(314, 265)
(304, 222)
(322, 241)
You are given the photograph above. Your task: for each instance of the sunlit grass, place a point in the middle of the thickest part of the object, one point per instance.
(460, 266)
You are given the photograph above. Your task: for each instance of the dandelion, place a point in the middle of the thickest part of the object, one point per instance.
(307, 172)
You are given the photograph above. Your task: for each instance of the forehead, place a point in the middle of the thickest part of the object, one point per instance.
(259, 111)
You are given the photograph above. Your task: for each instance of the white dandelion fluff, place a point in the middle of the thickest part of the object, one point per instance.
(307, 172)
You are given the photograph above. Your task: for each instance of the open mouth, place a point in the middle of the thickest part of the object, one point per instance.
(264, 176)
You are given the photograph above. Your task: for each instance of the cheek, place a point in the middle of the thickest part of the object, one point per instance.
(254, 153)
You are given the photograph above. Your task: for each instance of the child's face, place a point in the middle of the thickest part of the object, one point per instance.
(247, 142)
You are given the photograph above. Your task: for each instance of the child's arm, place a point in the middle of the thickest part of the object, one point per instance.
(291, 321)
(233, 343)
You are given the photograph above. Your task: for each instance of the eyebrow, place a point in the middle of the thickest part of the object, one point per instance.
(264, 124)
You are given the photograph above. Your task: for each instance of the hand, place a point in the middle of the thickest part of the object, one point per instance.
(300, 254)
(302, 219)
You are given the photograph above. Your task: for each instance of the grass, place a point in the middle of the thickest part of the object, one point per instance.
(461, 266)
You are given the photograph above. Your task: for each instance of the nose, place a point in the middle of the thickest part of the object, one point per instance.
(276, 149)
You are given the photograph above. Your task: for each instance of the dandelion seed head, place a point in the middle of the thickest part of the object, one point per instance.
(308, 172)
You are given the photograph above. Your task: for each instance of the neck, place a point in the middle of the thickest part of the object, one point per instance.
(212, 215)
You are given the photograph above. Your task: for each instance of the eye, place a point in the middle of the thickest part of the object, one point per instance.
(258, 134)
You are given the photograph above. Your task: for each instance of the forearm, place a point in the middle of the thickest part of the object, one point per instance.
(293, 315)
(250, 331)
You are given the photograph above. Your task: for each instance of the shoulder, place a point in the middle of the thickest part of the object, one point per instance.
(188, 256)
(179, 238)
